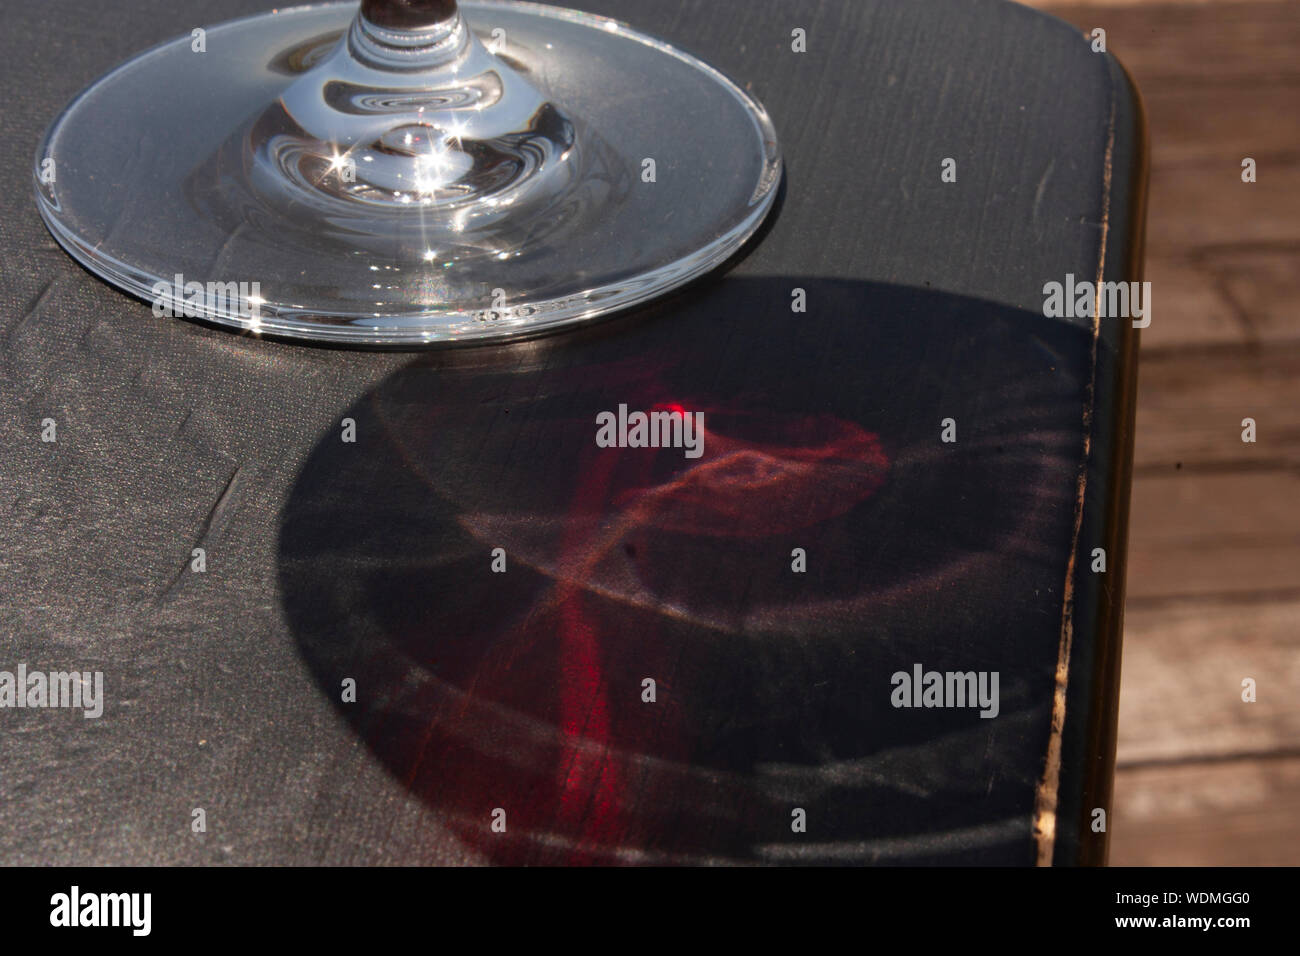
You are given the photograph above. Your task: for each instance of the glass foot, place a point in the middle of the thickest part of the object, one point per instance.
(411, 172)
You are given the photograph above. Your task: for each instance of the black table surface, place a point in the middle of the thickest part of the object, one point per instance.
(370, 560)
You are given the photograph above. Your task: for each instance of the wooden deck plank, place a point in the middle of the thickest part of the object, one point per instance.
(1190, 409)
(1264, 285)
(1213, 126)
(1180, 694)
(1205, 44)
(1211, 533)
(1194, 207)
(1232, 813)
(1191, 306)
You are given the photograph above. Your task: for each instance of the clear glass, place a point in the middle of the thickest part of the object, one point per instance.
(316, 173)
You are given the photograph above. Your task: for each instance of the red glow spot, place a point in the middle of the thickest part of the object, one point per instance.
(675, 408)
(750, 489)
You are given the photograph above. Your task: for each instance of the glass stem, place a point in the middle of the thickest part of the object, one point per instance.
(408, 14)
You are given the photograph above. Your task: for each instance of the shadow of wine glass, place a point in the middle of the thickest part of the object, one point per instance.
(501, 588)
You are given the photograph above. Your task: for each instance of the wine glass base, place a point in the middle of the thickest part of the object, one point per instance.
(198, 179)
